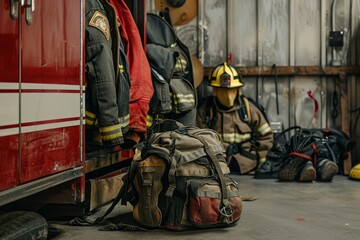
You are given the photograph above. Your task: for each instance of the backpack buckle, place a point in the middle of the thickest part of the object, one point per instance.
(158, 120)
(227, 214)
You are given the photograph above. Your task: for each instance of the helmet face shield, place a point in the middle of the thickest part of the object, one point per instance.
(226, 96)
(225, 76)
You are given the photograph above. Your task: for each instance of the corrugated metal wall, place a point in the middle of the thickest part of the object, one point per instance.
(284, 33)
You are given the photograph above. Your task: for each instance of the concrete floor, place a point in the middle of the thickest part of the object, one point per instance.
(308, 211)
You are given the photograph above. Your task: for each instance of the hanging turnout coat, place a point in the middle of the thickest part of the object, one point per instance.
(107, 77)
(141, 89)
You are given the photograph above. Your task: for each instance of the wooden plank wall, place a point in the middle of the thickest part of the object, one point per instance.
(293, 36)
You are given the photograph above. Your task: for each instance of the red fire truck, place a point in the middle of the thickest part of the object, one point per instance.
(42, 156)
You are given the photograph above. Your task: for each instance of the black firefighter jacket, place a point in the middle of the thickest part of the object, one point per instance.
(107, 76)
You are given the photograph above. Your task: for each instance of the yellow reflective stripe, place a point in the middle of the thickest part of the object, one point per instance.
(265, 128)
(124, 121)
(89, 122)
(109, 128)
(177, 110)
(90, 118)
(235, 137)
(149, 121)
(90, 114)
(179, 98)
(182, 60)
(262, 160)
(181, 95)
(183, 100)
(121, 68)
(110, 132)
(180, 64)
(111, 136)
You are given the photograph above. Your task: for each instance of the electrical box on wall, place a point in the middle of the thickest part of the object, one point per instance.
(336, 38)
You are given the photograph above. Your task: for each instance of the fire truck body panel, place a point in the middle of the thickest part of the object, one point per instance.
(9, 79)
(41, 92)
(42, 120)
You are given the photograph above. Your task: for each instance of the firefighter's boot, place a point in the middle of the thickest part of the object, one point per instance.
(295, 162)
(292, 169)
(326, 163)
(308, 173)
(302, 147)
(326, 170)
(271, 167)
(274, 160)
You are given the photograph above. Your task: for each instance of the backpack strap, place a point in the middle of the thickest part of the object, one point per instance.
(246, 101)
(210, 116)
(88, 222)
(244, 110)
(225, 208)
(235, 148)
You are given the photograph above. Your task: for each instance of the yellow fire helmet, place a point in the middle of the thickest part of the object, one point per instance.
(355, 172)
(225, 76)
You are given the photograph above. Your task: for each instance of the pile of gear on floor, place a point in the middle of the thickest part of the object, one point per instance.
(179, 178)
(178, 181)
(308, 155)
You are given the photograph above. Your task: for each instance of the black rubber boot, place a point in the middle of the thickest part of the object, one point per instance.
(302, 150)
(274, 158)
(272, 166)
(327, 157)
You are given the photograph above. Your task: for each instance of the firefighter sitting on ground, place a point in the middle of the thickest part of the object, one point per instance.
(244, 130)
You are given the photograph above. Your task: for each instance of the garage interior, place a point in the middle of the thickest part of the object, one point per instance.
(300, 60)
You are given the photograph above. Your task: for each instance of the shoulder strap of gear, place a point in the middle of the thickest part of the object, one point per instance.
(244, 110)
(210, 114)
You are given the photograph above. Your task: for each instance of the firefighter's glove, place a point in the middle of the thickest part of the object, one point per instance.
(131, 138)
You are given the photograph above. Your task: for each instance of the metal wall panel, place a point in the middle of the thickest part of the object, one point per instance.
(273, 31)
(242, 41)
(273, 35)
(214, 23)
(306, 24)
(285, 33)
(307, 32)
